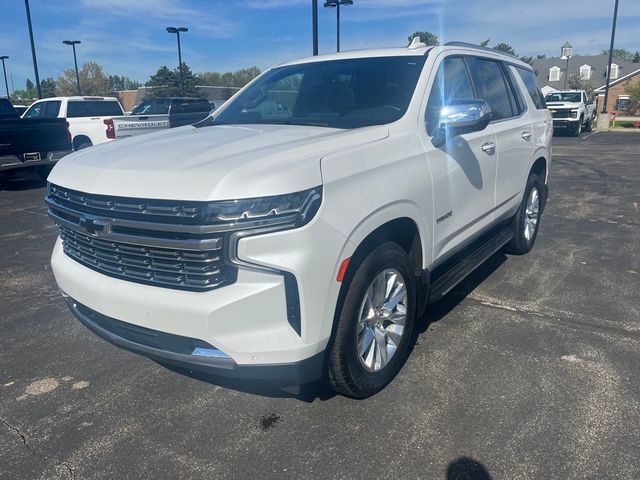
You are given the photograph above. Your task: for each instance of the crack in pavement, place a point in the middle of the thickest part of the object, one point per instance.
(558, 317)
(46, 457)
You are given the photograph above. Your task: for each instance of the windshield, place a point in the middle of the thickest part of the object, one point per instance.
(573, 97)
(340, 93)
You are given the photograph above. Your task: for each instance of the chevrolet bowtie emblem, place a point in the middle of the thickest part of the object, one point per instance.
(92, 225)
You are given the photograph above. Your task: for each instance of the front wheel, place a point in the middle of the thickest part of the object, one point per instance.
(578, 129)
(526, 221)
(375, 324)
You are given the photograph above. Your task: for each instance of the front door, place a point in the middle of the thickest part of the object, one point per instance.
(463, 169)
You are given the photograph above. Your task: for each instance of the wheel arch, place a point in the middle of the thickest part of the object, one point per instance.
(79, 140)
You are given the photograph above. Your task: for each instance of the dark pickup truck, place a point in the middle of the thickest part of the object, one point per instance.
(35, 143)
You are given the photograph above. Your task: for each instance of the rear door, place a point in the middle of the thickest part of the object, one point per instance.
(512, 127)
(463, 169)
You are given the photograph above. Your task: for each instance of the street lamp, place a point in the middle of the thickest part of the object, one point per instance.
(177, 31)
(73, 43)
(613, 39)
(565, 52)
(336, 4)
(4, 69)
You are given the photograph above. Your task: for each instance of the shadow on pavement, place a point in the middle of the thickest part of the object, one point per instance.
(465, 468)
(22, 180)
(305, 393)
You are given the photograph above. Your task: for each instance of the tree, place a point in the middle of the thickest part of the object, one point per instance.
(505, 47)
(527, 59)
(541, 56)
(93, 81)
(48, 87)
(238, 79)
(636, 57)
(484, 43)
(31, 89)
(117, 83)
(574, 82)
(633, 90)
(428, 38)
(621, 54)
(163, 83)
(166, 83)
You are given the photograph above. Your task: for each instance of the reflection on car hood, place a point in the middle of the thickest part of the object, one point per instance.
(209, 163)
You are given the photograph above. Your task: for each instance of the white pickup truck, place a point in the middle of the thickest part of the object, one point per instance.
(572, 111)
(89, 118)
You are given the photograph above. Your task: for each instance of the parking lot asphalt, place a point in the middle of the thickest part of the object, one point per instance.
(529, 369)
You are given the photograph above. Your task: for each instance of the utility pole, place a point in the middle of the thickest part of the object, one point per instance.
(314, 21)
(33, 49)
(613, 38)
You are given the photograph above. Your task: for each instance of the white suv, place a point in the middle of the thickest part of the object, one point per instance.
(301, 230)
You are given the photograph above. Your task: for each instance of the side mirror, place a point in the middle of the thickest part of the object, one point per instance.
(459, 117)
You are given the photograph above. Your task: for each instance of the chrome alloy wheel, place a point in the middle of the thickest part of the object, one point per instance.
(381, 322)
(531, 214)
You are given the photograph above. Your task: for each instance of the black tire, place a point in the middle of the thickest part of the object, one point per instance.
(522, 242)
(44, 171)
(578, 130)
(347, 372)
(589, 126)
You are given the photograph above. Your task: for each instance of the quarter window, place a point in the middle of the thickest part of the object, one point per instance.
(491, 86)
(452, 82)
(529, 79)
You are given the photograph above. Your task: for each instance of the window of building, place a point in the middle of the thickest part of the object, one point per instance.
(585, 72)
(554, 74)
(614, 71)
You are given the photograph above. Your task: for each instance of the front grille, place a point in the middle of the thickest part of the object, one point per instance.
(154, 242)
(161, 211)
(561, 113)
(186, 269)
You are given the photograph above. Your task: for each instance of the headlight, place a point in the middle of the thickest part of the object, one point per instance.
(574, 113)
(283, 211)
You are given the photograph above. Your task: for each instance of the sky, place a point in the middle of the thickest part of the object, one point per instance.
(128, 37)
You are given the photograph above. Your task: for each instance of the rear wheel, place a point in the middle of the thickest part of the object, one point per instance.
(589, 126)
(526, 222)
(375, 324)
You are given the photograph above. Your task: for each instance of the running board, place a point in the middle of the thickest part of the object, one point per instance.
(454, 272)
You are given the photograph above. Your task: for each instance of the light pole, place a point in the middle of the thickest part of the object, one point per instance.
(73, 43)
(314, 21)
(4, 69)
(613, 38)
(177, 31)
(336, 4)
(565, 52)
(33, 48)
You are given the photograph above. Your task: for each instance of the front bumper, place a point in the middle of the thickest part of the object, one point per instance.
(571, 123)
(190, 353)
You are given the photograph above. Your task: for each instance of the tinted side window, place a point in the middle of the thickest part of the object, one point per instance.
(52, 108)
(94, 108)
(491, 85)
(161, 107)
(190, 107)
(35, 111)
(145, 108)
(451, 83)
(531, 83)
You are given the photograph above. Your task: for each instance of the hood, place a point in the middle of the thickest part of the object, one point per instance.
(209, 163)
(552, 105)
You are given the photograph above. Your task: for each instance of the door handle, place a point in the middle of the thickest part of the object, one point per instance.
(489, 148)
(526, 136)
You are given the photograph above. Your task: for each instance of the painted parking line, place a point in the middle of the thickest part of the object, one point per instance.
(590, 135)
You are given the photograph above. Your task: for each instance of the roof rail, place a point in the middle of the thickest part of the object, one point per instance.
(477, 47)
